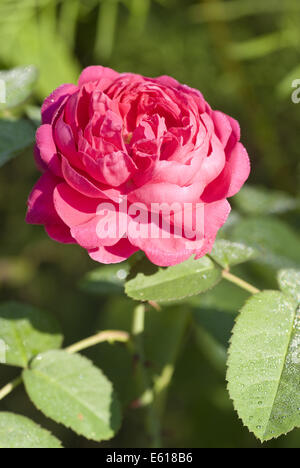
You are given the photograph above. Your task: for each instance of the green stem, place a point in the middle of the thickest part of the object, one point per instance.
(10, 387)
(144, 382)
(161, 387)
(109, 335)
(239, 282)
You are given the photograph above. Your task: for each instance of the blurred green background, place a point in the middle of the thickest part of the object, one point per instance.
(243, 55)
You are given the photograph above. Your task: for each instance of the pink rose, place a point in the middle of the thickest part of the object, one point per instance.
(147, 140)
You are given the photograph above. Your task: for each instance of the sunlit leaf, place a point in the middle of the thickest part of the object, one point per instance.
(70, 390)
(28, 32)
(177, 282)
(19, 432)
(264, 365)
(18, 85)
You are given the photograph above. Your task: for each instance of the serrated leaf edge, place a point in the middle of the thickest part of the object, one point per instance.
(66, 425)
(262, 440)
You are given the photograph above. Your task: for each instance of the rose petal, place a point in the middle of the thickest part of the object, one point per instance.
(83, 185)
(97, 73)
(103, 230)
(64, 139)
(223, 127)
(115, 254)
(72, 207)
(47, 149)
(214, 164)
(60, 233)
(239, 168)
(115, 168)
(52, 104)
(166, 193)
(40, 202)
(215, 216)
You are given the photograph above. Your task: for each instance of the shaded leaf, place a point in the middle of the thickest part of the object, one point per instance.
(27, 331)
(15, 136)
(70, 390)
(258, 201)
(108, 279)
(289, 282)
(227, 253)
(277, 243)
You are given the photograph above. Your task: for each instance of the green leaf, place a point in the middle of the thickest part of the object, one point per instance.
(177, 282)
(227, 253)
(15, 136)
(260, 201)
(289, 282)
(264, 365)
(278, 244)
(26, 331)
(19, 432)
(106, 280)
(70, 390)
(26, 29)
(19, 83)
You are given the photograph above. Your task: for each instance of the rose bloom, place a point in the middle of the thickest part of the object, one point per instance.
(149, 140)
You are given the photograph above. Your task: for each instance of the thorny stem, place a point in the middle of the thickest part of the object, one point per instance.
(239, 282)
